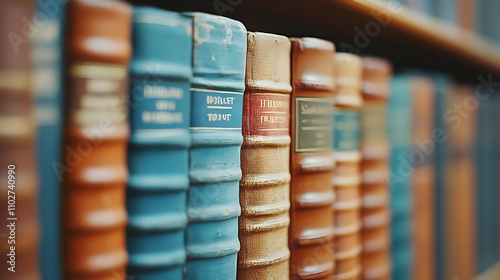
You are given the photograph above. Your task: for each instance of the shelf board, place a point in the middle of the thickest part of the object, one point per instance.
(409, 40)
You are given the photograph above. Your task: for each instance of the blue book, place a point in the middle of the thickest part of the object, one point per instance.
(219, 52)
(158, 152)
(399, 131)
(441, 84)
(47, 72)
(446, 10)
(487, 19)
(487, 183)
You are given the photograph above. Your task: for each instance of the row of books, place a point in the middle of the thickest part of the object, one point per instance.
(478, 16)
(180, 146)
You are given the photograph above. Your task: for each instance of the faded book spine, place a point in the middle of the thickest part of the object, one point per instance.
(94, 170)
(265, 183)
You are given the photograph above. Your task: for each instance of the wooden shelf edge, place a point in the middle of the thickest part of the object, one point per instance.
(446, 37)
(493, 273)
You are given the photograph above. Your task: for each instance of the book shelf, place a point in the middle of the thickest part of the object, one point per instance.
(409, 40)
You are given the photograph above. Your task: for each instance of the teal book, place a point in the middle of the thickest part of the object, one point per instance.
(442, 84)
(219, 53)
(399, 131)
(158, 150)
(487, 21)
(47, 84)
(446, 10)
(487, 198)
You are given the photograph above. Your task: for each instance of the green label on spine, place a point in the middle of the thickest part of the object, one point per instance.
(313, 124)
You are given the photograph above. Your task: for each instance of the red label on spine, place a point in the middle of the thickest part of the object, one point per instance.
(266, 114)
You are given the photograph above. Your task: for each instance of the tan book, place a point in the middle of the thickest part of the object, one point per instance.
(375, 193)
(265, 158)
(347, 155)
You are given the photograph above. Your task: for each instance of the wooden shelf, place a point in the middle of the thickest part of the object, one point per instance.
(409, 40)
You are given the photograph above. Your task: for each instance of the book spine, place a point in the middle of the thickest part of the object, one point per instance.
(219, 49)
(158, 151)
(94, 170)
(311, 162)
(20, 232)
(423, 148)
(347, 177)
(460, 187)
(47, 71)
(487, 184)
(265, 157)
(399, 125)
(375, 193)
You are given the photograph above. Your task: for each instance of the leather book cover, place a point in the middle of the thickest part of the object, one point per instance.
(442, 92)
(423, 147)
(400, 176)
(218, 84)
(347, 177)
(93, 167)
(375, 192)
(48, 75)
(158, 150)
(487, 197)
(265, 158)
(460, 185)
(19, 233)
(311, 229)
(467, 14)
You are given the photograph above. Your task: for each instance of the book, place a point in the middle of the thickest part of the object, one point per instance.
(486, 19)
(310, 237)
(265, 158)
(47, 82)
(19, 245)
(460, 189)
(375, 193)
(399, 129)
(219, 51)
(487, 237)
(158, 150)
(446, 11)
(94, 168)
(423, 149)
(441, 84)
(347, 175)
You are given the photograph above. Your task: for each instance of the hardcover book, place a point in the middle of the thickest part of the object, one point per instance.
(218, 84)
(460, 185)
(48, 74)
(423, 149)
(399, 128)
(347, 155)
(158, 151)
(93, 169)
(311, 229)
(375, 192)
(19, 234)
(265, 158)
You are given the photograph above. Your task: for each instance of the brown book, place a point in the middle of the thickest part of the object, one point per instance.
(265, 158)
(375, 191)
(466, 10)
(423, 96)
(347, 177)
(94, 170)
(311, 219)
(18, 197)
(459, 192)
